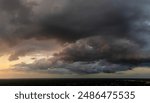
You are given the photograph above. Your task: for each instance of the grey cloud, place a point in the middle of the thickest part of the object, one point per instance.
(95, 48)
(94, 29)
(18, 11)
(32, 47)
(76, 67)
(40, 65)
(16, 14)
(75, 20)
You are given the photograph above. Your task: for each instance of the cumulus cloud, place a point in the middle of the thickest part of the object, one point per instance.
(97, 47)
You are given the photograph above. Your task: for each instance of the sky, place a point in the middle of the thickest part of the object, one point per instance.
(74, 38)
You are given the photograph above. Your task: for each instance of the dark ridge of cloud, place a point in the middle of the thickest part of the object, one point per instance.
(77, 19)
(118, 25)
(100, 66)
(95, 48)
(83, 18)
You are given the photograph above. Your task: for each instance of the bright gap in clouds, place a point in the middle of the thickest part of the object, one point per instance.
(6, 64)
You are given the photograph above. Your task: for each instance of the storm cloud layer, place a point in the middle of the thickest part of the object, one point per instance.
(88, 31)
(74, 20)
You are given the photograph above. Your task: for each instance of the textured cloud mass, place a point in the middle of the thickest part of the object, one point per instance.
(87, 31)
(77, 19)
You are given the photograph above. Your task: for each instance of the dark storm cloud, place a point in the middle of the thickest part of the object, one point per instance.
(95, 48)
(91, 30)
(77, 19)
(15, 16)
(87, 18)
(17, 9)
(119, 23)
(75, 67)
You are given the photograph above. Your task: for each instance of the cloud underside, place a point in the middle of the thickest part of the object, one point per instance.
(83, 36)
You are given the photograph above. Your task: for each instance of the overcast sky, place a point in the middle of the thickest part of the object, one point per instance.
(74, 36)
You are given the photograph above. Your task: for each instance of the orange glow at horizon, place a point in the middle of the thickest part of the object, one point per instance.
(6, 64)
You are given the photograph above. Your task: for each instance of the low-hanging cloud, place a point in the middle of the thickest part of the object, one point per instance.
(75, 67)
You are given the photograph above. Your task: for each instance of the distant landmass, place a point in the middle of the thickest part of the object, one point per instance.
(75, 82)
